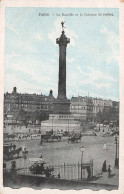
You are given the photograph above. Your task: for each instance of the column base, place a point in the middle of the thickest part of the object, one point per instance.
(62, 106)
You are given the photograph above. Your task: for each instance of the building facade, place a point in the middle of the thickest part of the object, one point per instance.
(31, 107)
(17, 106)
(99, 104)
(82, 108)
(86, 108)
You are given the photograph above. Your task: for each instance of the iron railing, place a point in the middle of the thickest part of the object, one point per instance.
(66, 171)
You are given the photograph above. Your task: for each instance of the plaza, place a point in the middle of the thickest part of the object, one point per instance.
(56, 153)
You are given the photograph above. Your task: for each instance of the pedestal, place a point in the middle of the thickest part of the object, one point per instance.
(62, 106)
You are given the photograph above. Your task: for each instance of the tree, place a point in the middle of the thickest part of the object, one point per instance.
(40, 115)
(108, 114)
(22, 116)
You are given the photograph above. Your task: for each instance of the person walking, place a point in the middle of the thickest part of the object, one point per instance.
(13, 166)
(14, 147)
(108, 130)
(88, 172)
(41, 141)
(104, 167)
(41, 159)
(104, 146)
(11, 147)
(59, 175)
(109, 171)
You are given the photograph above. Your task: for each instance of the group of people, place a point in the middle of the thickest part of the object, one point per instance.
(109, 170)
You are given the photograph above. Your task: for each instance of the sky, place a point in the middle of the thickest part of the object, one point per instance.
(32, 55)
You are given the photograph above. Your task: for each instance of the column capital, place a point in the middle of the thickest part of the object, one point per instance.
(63, 40)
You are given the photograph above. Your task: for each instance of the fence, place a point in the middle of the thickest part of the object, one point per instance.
(73, 171)
(67, 171)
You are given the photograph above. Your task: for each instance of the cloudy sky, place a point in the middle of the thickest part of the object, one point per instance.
(32, 55)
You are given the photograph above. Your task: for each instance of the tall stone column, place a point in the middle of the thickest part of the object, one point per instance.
(62, 41)
(62, 105)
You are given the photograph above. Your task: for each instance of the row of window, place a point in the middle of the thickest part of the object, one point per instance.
(65, 116)
(24, 102)
(81, 107)
(62, 116)
(28, 107)
(81, 114)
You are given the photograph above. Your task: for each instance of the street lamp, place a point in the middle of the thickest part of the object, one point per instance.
(116, 152)
(68, 125)
(12, 124)
(52, 122)
(25, 153)
(82, 149)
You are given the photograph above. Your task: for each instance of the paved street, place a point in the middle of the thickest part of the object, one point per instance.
(60, 152)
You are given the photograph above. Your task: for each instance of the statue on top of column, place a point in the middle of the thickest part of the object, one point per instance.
(62, 23)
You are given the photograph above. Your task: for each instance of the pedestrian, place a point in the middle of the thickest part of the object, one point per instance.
(51, 131)
(41, 159)
(109, 171)
(88, 172)
(59, 175)
(4, 166)
(48, 174)
(104, 167)
(11, 146)
(14, 147)
(41, 141)
(104, 146)
(108, 131)
(19, 138)
(13, 167)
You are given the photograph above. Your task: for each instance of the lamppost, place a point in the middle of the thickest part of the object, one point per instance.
(116, 152)
(52, 122)
(25, 154)
(82, 149)
(68, 125)
(40, 128)
(12, 124)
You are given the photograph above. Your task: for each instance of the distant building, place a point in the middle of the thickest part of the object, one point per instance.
(20, 107)
(99, 104)
(15, 103)
(82, 108)
(86, 108)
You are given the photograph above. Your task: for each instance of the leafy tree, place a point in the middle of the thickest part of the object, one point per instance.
(22, 116)
(108, 114)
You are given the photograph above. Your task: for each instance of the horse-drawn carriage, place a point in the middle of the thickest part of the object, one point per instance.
(38, 166)
(9, 152)
(66, 133)
(10, 136)
(50, 137)
(74, 137)
(7, 155)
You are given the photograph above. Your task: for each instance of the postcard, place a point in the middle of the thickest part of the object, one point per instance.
(62, 96)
